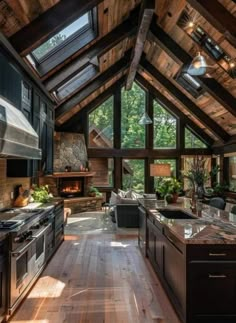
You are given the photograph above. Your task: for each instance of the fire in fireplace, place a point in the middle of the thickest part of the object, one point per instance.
(71, 186)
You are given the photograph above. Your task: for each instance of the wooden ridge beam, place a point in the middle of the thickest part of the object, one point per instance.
(219, 132)
(147, 11)
(93, 104)
(95, 84)
(124, 30)
(49, 23)
(218, 16)
(177, 53)
(174, 110)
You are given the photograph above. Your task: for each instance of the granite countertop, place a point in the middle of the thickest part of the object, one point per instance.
(211, 226)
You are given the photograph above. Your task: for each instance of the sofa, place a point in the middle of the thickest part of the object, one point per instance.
(124, 209)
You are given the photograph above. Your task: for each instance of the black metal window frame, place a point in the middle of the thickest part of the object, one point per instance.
(68, 47)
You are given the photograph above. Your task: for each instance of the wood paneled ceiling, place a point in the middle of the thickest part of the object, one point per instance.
(134, 36)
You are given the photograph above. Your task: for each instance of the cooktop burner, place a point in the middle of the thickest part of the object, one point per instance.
(8, 225)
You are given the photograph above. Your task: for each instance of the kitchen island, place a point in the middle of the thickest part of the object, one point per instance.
(195, 258)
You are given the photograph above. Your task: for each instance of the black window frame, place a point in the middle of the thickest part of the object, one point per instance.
(68, 47)
(181, 80)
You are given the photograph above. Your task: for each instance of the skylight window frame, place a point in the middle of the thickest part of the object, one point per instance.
(182, 81)
(67, 48)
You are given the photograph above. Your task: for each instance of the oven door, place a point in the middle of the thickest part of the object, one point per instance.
(40, 248)
(22, 269)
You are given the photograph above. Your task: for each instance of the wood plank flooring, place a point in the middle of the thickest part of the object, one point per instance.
(97, 279)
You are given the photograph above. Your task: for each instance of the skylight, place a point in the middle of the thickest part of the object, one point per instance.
(59, 38)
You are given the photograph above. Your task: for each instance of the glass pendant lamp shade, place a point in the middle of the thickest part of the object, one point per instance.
(145, 119)
(198, 65)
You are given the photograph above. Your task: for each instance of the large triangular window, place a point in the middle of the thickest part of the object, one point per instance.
(164, 129)
(192, 141)
(101, 125)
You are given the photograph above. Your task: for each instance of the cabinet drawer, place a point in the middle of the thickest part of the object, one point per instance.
(213, 287)
(211, 252)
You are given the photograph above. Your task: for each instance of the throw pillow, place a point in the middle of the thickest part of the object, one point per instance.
(121, 193)
(135, 195)
(113, 198)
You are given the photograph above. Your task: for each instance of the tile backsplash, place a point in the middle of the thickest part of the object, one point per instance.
(7, 184)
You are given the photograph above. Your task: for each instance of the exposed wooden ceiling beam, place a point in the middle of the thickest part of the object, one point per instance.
(215, 128)
(147, 11)
(94, 85)
(126, 29)
(48, 23)
(178, 54)
(93, 104)
(170, 106)
(218, 16)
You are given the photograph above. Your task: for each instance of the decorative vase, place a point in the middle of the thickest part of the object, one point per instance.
(200, 191)
(175, 197)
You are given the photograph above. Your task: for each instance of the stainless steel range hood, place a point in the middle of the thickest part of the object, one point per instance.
(17, 137)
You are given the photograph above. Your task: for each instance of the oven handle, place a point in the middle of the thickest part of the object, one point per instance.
(41, 232)
(21, 251)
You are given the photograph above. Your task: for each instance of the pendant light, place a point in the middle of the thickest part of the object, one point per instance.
(198, 65)
(145, 119)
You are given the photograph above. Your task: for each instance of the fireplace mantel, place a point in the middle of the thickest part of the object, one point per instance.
(71, 174)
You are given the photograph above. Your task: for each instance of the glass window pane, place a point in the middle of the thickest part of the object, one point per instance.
(191, 141)
(232, 174)
(133, 175)
(101, 125)
(172, 163)
(164, 128)
(60, 37)
(75, 82)
(103, 168)
(132, 108)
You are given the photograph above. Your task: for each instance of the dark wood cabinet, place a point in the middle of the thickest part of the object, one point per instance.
(200, 280)
(155, 246)
(142, 230)
(3, 278)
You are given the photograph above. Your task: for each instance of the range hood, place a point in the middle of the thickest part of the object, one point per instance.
(17, 137)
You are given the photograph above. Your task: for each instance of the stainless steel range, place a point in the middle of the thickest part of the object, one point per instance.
(27, 247)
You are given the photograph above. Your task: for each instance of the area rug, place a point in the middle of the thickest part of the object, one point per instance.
(93, 223)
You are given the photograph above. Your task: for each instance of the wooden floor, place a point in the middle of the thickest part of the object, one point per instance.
(95, 279)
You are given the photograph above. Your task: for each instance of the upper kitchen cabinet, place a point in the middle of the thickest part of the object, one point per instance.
(10, 81)
(18, 87)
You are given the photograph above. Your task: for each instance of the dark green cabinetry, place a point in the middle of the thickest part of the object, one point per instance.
(17, 88)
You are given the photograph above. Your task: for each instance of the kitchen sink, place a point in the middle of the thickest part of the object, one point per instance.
(176, 214)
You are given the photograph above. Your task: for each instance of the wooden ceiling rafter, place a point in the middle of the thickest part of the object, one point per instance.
(48, 23)
(94, 103)
(173, 109)
(147, 12)
(178, 54)
(189, 105)
(102, 78)
(122, 31)
(218, 16)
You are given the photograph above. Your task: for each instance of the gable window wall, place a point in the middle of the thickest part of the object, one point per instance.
(114, 133)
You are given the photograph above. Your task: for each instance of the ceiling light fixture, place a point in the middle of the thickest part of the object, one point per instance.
(198, 66)
(145, 119)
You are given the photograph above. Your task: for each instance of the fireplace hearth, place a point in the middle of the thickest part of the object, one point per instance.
(71, 187)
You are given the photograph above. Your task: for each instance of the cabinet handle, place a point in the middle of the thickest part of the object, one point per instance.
(217, 254)
(217, 276)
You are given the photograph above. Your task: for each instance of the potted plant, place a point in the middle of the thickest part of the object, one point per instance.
(198, 174)
(169, 188)
(93, 191)
(41, 193)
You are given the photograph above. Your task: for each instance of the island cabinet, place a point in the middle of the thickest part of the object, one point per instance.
(200, 279)
(211, 282)
(142, 230)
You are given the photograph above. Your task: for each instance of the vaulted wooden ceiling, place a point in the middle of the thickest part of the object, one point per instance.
(135, 39)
